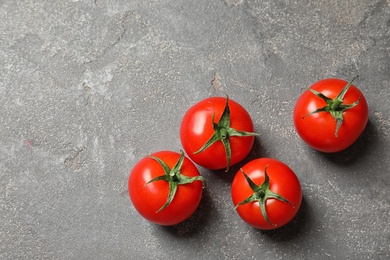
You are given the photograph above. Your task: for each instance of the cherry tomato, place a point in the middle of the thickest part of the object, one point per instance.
(331, 115)
(165, 187)
(267, 193)
(217, 132)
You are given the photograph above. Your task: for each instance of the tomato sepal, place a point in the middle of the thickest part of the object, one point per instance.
(222, 132)
(335, 106)
(261, 193)
(173, 177)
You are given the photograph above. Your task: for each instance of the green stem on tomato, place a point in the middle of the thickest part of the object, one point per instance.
(222, 132)
(173, 177)
(335, 106)
(261, 193)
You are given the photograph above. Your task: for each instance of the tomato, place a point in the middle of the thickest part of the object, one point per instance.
(267, 193)
(165, 187)
(331, 115)
(217, 132)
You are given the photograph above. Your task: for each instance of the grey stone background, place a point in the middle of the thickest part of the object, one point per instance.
(88, 88)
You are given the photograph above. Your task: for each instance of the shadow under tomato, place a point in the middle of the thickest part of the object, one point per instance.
(257, 151)
(301, 224)
(363, 146)
(197, 221)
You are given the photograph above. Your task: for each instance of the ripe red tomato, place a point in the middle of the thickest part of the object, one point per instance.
(216, 133)
(267, 193)
(331, 115)
(165, 187)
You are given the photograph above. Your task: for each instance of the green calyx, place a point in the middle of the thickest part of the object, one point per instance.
(261, 193)
(335, 107)
(222, 132)
(173, 177)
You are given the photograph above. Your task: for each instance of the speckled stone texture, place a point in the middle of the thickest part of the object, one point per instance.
(88, 88)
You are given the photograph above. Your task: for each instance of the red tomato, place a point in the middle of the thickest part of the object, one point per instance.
(317, 114)
(217, 132)
(150, 196)
(266, 203)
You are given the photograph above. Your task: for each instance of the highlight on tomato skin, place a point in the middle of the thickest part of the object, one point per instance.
(267, 194)
(217, 132)
(331, 115)
(165, 188)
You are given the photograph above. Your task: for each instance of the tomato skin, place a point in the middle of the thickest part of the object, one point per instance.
(149, 198)
(283, 181)
(318, 130)
(196, 128)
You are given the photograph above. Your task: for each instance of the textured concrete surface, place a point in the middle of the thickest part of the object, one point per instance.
(87, 88)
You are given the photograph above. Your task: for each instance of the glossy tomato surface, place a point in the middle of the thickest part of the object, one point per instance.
(149, 198)
(318, 129)
(197, 127)
(282, 181)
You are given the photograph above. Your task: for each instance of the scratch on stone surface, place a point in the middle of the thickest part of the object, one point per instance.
(135, 44)
(76, 161)
(123, 28)
(216, 82)
(356, 66)
(234, 2)
(98, 154)
(384, 124)
(119, 38)
(337, 190)
(87, 94)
